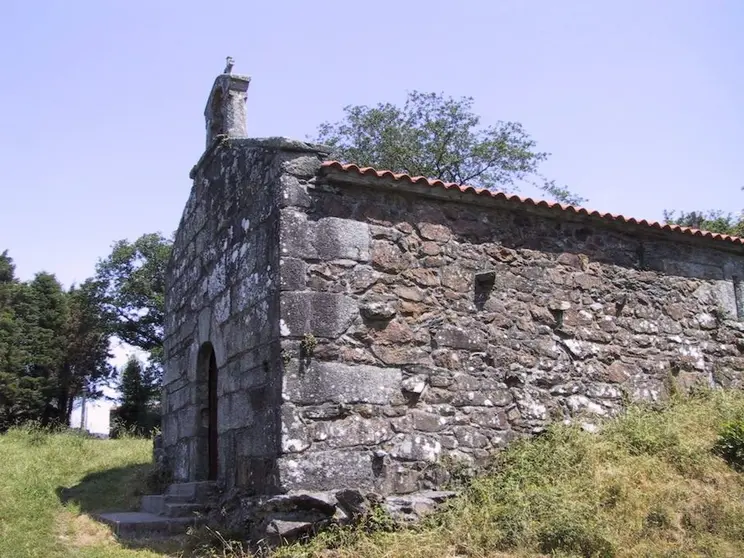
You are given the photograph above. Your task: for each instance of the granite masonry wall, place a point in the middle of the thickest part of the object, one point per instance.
(222, 296)
(369, 333)
(445, 324)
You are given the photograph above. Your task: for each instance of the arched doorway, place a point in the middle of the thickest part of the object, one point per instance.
(212, 413)
(207, 376)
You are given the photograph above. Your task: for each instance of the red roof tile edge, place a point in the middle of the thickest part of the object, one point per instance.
(420, 180)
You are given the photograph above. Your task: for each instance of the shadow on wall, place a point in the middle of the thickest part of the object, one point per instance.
(508, 230)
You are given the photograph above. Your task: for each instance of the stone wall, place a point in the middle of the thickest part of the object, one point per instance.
(368, 332)
(421, 326)
(222, 294)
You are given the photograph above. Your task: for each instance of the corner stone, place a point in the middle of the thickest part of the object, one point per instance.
(335, 382)
(322, 314)
(327, 470)
(342, 239)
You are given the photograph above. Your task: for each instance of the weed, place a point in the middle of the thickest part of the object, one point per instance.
(646, 485)
(730, 444)
(206, 542)
(308, 345)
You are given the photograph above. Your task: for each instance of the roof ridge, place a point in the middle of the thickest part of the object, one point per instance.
(436, 183)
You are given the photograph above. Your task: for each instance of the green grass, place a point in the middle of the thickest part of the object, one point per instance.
(49, 482)
(648, 485)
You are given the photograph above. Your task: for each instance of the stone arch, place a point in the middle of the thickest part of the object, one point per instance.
(207, 376)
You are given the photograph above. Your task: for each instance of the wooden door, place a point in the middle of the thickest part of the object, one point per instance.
(212, 431)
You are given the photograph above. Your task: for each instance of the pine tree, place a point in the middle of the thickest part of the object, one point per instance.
(85, 366)
(12, 356)
(53, 345)
(41, 312)
(136, 413)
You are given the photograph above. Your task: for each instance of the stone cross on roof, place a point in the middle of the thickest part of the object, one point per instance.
(225, 112)
(229, 65)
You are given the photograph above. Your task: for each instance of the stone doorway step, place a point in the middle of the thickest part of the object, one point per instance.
(163, 515)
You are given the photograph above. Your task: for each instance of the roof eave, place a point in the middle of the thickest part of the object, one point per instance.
(336, 172)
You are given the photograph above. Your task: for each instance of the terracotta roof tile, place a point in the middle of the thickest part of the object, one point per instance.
(420, 180)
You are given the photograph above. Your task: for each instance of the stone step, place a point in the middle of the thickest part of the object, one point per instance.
(130, 525)
(153, 503)
(182, 510)
(191, 491)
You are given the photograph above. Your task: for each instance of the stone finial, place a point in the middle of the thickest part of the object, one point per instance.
(225, 112)
(229, 65)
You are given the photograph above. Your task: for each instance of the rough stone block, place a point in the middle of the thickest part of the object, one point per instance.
(461, 338)
(352, 431)
(250, 290)
(249, 370)
(257, 475)
(416, 447)
(334, 382)
(261, 439)
(388, 257)
(293, 192)
(295, 434)
(241, 333)
(342, 239)
(327, 470)
(179, 398)
(189, 421)
(292, 274)
(304, 166)
(234, 411)
(726, 298)
(175, 368)
(297, 235)
(169, 423)
(322, 314)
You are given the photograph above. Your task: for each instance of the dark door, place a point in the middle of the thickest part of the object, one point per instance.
(212, 435)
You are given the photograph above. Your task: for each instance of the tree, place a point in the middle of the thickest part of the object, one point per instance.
(12, 355)
(43, 312)
(137, 411)
(53, 345)
(440, 137)
(130, 289)
(712, 220)
(85, 367)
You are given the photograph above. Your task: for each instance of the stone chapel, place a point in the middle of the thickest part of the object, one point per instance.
(330, 326)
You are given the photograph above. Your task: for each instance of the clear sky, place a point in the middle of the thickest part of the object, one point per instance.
(641, 102)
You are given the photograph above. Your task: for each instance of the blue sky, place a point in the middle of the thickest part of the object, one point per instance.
(640, 102)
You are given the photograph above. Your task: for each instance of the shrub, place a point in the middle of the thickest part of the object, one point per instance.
(730, 444)
(575, 539)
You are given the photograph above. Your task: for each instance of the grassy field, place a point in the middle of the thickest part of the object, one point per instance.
(50, 482)
(648, 486)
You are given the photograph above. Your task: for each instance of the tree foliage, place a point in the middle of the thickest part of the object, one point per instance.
(130, 286)
(13, 356)
(716, 221)
(137, 412)
(440, 137)
(86, 366)
(53, 347)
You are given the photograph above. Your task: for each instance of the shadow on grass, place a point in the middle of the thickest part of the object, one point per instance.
(118, 489)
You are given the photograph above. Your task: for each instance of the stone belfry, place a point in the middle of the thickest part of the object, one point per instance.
(225, 110)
